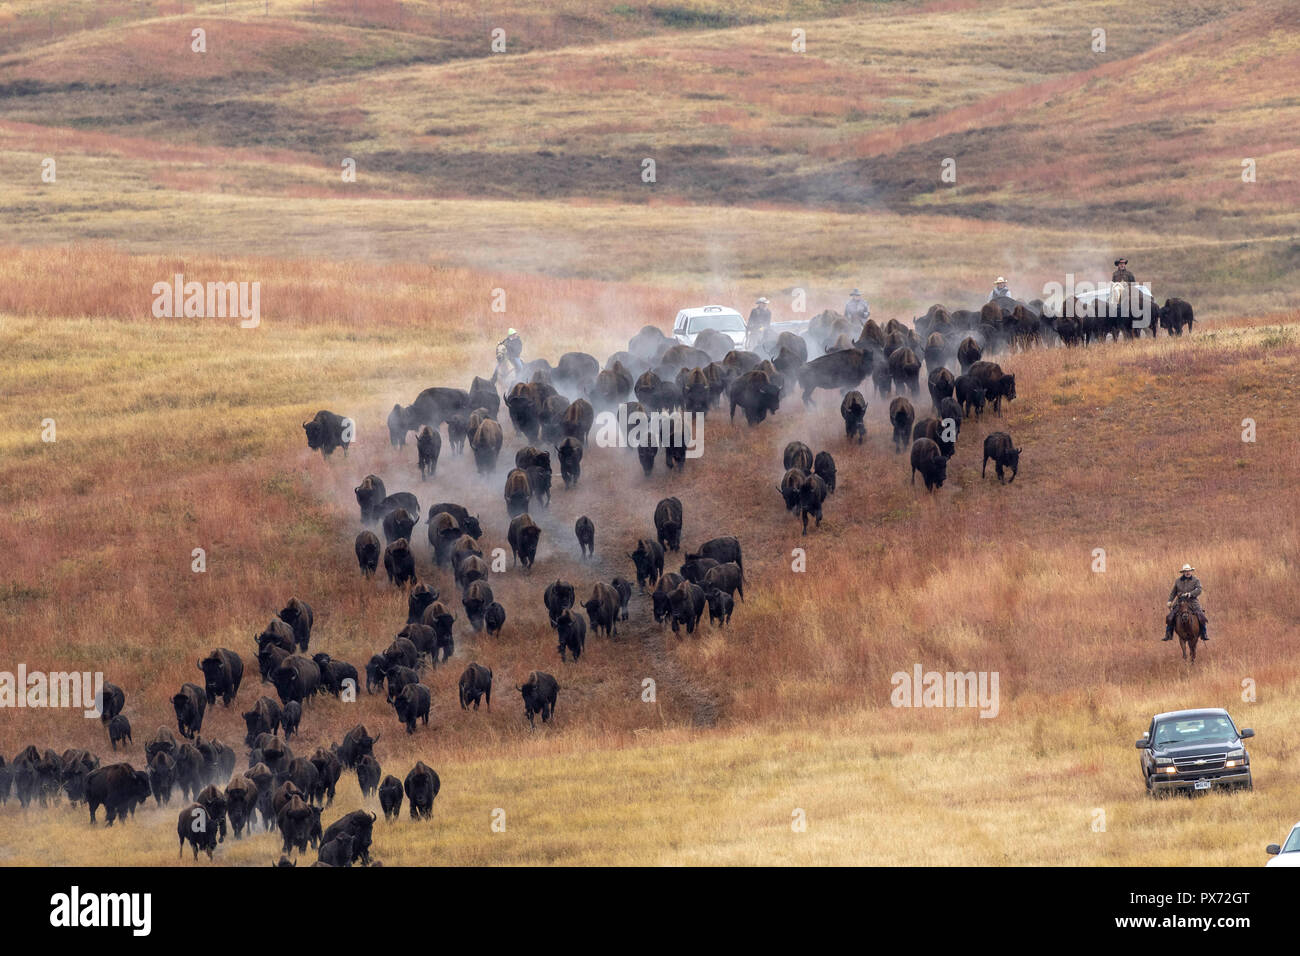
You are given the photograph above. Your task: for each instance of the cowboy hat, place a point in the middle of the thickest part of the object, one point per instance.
(855, 292)
(1188, 567)
(511, 332)
(1121, 262)
(763, 299)
(1001, 279)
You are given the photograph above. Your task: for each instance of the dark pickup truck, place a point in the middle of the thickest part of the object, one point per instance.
(1193, 750)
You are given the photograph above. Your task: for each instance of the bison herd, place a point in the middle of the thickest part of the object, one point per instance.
(551, 409)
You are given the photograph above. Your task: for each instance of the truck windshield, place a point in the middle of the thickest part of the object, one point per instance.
(1292, 844)
(1195, 730)
(720, 323)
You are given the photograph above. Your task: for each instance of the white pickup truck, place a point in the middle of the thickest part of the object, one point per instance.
(691, 322)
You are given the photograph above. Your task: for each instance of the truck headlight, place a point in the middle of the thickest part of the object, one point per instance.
(1237, 753)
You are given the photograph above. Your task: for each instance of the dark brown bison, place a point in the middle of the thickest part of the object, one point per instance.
(843, 370)
(930, 462)
(399, 563)
(1175, 315)
(724, 577)
(722, 550)
(278, 634)
(193, 824)
(475, 683)
(483, 394)
(523, 536)
(428, 445)
(578, 419)
(557, 597)
(359, 825)
(118, 788)
(668, 523)
(475, 600)
(905, 370)
(367, 548)
(687, 606)
(110, 701)
(421, 786)
(298, 615)
(721, 605)
(790, 486)
(945, 436)
(486, 445)
(660, 600)
(571, 634)
(756, 394)
(223, 670)
(648, 558)
(569, 452)
(517, 492)
(602, 608)
(189, 704)
(970, 395)
(390, 801)
(412, 704)
(369, 494)
(798, 455)
(853, 410)
(297, 679)
(997, 384)
(585, 530)
(539, 694)
(968, 353)
(824, 468)
(264, 718)
(940, 383)
(812, 495)
(999, 447)
(328, 431)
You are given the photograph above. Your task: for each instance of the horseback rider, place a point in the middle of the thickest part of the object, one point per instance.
(514, 347)
(1121, 273)
(856, 307)
(760, 318)
(1000, 289)
(1187, 587)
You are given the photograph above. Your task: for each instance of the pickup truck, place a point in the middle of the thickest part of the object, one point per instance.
(691, 322)
(1193, 750)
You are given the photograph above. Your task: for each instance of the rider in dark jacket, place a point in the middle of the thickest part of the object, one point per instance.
(514, 346)
(1186, 585)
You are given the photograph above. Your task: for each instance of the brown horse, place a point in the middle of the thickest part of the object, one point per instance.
(1187, 626)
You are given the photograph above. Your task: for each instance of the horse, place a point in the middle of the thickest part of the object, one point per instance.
(505, 374)
(1187, 626)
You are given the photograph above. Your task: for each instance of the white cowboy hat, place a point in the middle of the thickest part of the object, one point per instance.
(1188, 567)
(511, 332)
(1001, 279)
(763, 299)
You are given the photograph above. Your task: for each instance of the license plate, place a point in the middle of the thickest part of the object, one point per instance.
(1202, 785)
